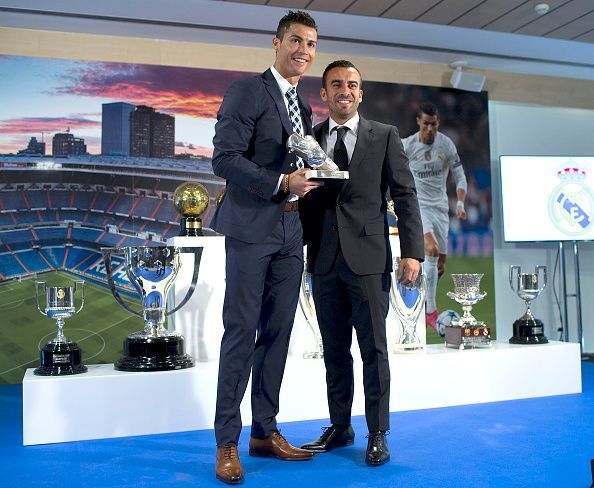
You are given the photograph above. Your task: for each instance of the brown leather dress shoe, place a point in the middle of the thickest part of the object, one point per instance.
(277, 446)
(228, 467)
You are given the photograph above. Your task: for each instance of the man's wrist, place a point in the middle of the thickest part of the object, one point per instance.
(460, 204)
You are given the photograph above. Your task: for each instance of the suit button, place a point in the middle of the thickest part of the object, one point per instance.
(292, 164)
(339, 204)
(335, 227)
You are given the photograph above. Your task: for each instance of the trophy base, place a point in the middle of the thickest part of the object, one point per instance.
(468, 336)
(408, 348)
(323, 174)
(528, 331)
(154, 353)
(313, 355)
(60, 359)
(191, 227)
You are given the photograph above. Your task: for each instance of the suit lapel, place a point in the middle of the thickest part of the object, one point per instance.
(320, 130)
(274, 91)
(364, 141)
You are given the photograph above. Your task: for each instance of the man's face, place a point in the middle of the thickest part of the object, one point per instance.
(428, 125)
(342, 93)
(295, 51)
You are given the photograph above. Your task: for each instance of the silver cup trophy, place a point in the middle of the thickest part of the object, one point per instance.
(467, 331)
(152, 271)
(528, 329)
(408, 302)
(308, 149)
(60, 356)
(307, 305)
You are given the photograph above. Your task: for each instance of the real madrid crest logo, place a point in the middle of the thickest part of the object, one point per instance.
(427, 155)
(571, 203)
(61, 293)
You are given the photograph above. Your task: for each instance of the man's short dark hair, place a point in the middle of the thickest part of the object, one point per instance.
(340, 63)
(429, 109)
(294, 17)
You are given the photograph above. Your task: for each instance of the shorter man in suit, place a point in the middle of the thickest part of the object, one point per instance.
(346, 230)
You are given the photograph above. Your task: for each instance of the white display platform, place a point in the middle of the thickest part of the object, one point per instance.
(105, 403)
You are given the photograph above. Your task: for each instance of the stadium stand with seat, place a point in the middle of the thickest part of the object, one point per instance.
(10, 266)
(37, 198)
(33, 261)
(55, 255)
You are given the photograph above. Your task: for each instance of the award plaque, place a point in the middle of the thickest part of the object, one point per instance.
(190, 200)
(408, 302)
(60, 356)
(152, 271)
(308, 149)
(467, 331)
(528, 329)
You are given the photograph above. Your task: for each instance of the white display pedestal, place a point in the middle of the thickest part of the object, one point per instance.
(105, 403)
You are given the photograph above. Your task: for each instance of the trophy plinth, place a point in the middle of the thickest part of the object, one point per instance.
(190, 200)
(467, 331)
(60, 356)
(528, 329)
(308, 149)
(307, 305)
(152, 271)
(408, 303)
(159, 353)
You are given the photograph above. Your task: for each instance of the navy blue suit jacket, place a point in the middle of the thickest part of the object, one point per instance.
(250, 153)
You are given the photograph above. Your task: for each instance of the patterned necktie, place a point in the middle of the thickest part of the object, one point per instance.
(340, 156)
(295, 116)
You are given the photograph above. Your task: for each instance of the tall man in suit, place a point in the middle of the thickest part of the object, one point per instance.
(346, 230)
(263, 242)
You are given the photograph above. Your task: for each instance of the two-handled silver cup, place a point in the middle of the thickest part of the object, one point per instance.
(60, 356)
(408, 302)
(152, 271)
(467, 331)
(528, 329)
(308, 149)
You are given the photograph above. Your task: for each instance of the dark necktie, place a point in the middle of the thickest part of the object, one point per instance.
(341, 157)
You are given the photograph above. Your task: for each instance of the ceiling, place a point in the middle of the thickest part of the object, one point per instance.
(566, 19)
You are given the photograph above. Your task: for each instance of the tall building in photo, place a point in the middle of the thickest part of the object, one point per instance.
(152, 134)
(115, 128)
(34, 147)
(65, 144)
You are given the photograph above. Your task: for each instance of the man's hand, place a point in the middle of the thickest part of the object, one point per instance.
(299, 185)
(408, 271)
(460, 210)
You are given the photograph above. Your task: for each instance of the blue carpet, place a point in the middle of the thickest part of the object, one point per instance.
(545, 442)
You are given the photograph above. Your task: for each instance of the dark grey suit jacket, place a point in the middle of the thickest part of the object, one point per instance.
(358, 215)
(249, 152)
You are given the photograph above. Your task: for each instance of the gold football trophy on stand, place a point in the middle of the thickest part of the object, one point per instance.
(191, 200)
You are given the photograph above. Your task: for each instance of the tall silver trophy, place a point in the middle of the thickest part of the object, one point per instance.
(152, 271)
(528, 329)
(60, 356)
(306, 303)
(408, 302)
(467, 331)
(308, 149)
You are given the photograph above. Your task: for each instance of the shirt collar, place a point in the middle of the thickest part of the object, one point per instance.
(352, 124)
(283, 84)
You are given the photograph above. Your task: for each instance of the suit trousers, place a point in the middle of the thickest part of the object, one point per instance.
(262, 290)
(345, 300)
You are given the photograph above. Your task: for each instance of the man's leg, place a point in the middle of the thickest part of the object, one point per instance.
(431, 276)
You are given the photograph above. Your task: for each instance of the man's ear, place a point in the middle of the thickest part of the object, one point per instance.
(276, 43)
(323, 94)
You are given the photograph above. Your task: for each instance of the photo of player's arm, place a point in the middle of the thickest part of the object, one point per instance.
(432, 156)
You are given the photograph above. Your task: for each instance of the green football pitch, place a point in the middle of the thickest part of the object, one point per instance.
(99, 329)
(485, 309)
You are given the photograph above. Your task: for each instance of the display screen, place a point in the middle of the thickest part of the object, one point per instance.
(547, 198)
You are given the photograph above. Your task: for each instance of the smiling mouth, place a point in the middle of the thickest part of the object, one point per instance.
(301, 60)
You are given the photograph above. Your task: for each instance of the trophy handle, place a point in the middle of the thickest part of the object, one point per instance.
(544, 276)
(511, 275)
(80, 284)
(37, 285)
(107, 252)
(197, 252)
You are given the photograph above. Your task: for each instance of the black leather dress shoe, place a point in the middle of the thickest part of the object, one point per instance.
(377, 449)
(332, 437)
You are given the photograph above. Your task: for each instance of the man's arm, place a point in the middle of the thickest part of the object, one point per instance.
(234, 133)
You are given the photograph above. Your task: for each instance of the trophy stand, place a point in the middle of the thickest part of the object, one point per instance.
(60, 356)
(528, 329)
(408, 302)
(306, 303)
(152, 271)
(467, 331)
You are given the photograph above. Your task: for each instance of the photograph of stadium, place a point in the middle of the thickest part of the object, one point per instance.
(92, 152)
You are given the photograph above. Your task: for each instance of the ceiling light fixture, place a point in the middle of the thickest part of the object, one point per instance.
(541, 8)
